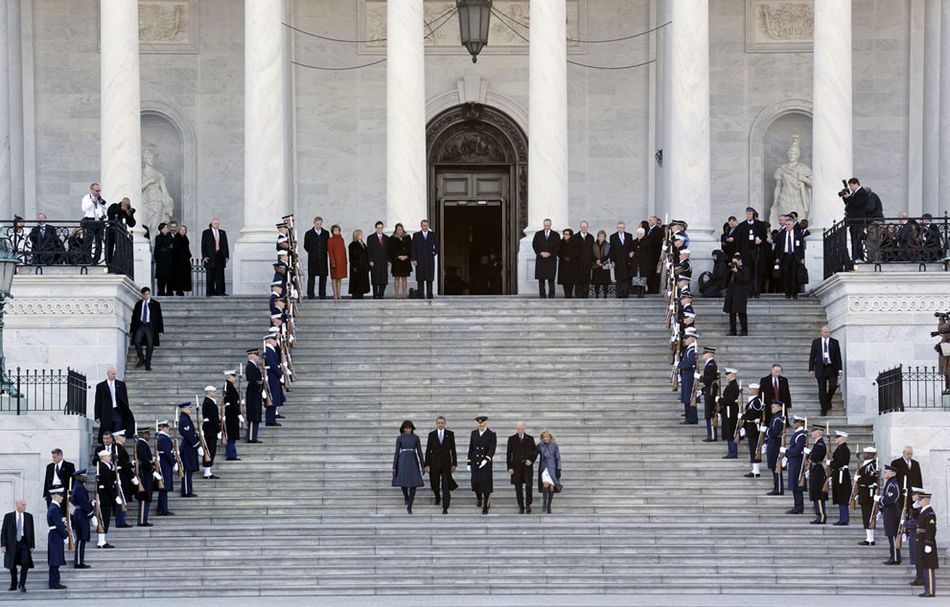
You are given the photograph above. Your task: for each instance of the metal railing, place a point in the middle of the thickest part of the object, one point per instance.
(24, 391)
(199, 278)
(899, 389)
(82, 244)
(890, 240)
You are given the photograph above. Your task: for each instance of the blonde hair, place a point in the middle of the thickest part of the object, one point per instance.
(548, 432)
(357, 233)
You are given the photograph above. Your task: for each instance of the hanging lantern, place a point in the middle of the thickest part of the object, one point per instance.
(474, 18)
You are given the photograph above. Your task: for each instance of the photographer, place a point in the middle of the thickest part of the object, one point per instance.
(93, 214)
(737, 295)
(943, 348)
(860, 205)
(119, 212)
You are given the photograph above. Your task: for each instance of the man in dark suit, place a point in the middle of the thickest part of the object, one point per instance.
(546, 245)
(860, 203)
(112, 410)
(621, 255)
(930, 238)
(214, 256)
(790, 252)
(17, 540)
(774, 387)
(824, 364)
(147, 327)
(46, 246)
(521, 453)
(585, 260)
(751, 236)
(377, 247)
(120, 212)
(425, 248)
(908, 471)
(441, 460)
(58, 473)
(654, 247)
(315, 244)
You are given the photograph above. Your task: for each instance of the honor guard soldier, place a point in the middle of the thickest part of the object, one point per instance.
(773, 446)
(106, 495)
(146, 474)
(81, 518)
(751, 419)
(687, 370)
(481, 452)
(232, 415)
(710, 379)
(189, 450)
(795, 452)
(683, 270)
(253, 395)
(841, 477)
(55, 550)
(927, 554)
(210, 428)
(729, 412)
(127, 481)
(168, 465)
(686, 304)
(274, 376)
(816, 474)
(890, 502)
(867, 482)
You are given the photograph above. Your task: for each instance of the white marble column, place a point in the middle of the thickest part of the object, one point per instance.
(930, 157)
(121, 118)
(406, 199)
(944, 107)
(686, 153)
(547, 130)
(831, 124)
(266, 149)
(6, 200)
(14, 28)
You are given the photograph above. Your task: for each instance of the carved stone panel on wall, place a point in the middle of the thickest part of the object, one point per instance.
(445, 39)
(779, 26)
(168, 26)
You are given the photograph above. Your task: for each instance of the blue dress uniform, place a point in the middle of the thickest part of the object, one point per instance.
(55, 552)
(232, 419)
(188, 450)
(773, 444)
(166, 461)
(274, 377)
(481, 452)
(729, 412)
(796, 456)
(253, 398)
(841, 482)
(81, 519)
(687, 369)
(890, 501)
(710, 389)
(927, 554)
(816, 480)
(143, 451)
(210, 428)
(751, 419)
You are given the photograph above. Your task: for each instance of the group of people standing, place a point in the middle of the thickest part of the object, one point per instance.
(439, 460)
(173, 258)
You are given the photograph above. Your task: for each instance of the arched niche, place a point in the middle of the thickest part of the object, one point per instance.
(769, 139)
(169, 135)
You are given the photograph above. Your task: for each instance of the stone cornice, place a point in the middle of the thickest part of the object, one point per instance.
(60, 307)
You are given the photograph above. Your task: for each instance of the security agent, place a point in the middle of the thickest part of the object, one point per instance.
(860, 203)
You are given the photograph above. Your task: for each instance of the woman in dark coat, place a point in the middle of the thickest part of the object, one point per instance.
(359, 266)
(163, 259)
(407, 463)
(549, 469)
(400, 254)
(569, 256)
(181, 262)
(737, 295)
(600, 275)
(75, 248)
(642, 265)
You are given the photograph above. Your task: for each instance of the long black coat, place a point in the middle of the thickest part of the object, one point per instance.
(8, 538)
(155, 318)
(816, 470)
(424, 251)
(643, 263)
(207, 248)
(841, 475)
(316, 248)
(103, 407)
(585, 259)
(737, 293)
(620, 255)
(569, 268)
(253, 392)
(729, 409)
(545, 268)
(400, 247)
(379, 257)
(232, 412)
(440, 457)
(164, 244)
(181, 264)
(911, 473)
(359, 268)
(481, 447)
(66, 470)
(46, 246)
(519, 451)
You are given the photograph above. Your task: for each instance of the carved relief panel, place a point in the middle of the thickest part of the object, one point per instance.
(779, 26)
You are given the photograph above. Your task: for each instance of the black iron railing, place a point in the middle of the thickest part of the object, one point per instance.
(82, 244)
(911, 240)
(899, 389)
(23, 391)
(199, 278)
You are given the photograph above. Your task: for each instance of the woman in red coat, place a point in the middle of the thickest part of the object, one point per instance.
(336, 251)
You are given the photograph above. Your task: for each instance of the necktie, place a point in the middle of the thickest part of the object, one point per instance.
(440, 437)
(775, 387)
(825, 348)
(145, 312)
(217, 243)
(621, 238)
(19, 526)
(380, 239)
(788, 242)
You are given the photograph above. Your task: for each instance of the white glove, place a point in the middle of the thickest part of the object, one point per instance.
(118, 500)
(241, 418)
(157, 476)
(781, 451)
(785, 462)
(928, 549)
(468, 468)
(807, 451)
(201, 452)
(742, 432)
(764, 448)
(482, 465)
(697, 376)
(135, 481)
(827, 462)
(219, 436)
(175, 468)
(877, 498)
(243, 402)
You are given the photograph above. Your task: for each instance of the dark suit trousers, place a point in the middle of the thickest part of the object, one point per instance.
(551, 293)
(857, 242)
(439, 481)
(92, 243)
(215, 279)
(144, 334)
(523, 491)
(653, 283)
(743, 320)
(310, 286)
(424, 288)
(582, 290)
(20, 556)
(623, 288)
(789, 275)
(827, 386)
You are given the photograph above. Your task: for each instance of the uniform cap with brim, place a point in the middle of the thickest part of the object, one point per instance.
(282, 253)
(104, 453)
(280, 264)
(210, 388)
(253, 351)
(684, 252)
(230, 371)
(924, 494)
(55, 490)
(79, 473)
(118, 433)
(282, 224)
(709, 350)
(730, 371)
(778, 403)
(143, 429)
(184, 404)
(270, 337)
(161, 422)
(689, 314)
(817, 427)
(481, 418)
(754, 386)
(870, 450)
(917, 490)
(686, 295)
(278, 315)
(889, 468)
(841, 434)
(796, 418)
(690, 331)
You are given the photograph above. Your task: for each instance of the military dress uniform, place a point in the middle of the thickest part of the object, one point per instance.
(188, 450)
(143, 451)
(106, 494)
(126, 486)
(687, 370)
(274, 383)
(481, 452)
(773, 445)
(710, 379)
(167, 463)
(817, 479)
(729, 412)
(927, 553)
(841, 482)
(890, 501)
(867, 481)
(232, 418)
(751, 419)
(795, 452)
(253, 398)
(55, 551)
(81, 519)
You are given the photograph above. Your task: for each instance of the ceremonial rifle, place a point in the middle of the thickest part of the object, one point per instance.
(69, 526)
(740, 420)
(714, 393)
(160, 479)
(875, 505)
(761, 442)
(292, 240)
(852, 501)
(240, 402)
(904, 514)
(778, 464)
(98, 510)
(123, 505)
(827, 486)
(137, 473)
(224, 404)
(696, 386)
(801, 473)
(181, 467)
(206, 458)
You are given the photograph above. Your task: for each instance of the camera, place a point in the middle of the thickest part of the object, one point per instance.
(845, 191)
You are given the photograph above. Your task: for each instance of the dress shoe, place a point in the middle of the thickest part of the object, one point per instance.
(12, 587)
(484, 510)
(744, 334)
(445, 511)
(751, 475)
(274, 424)
(708, 440)
(58, 587)
(190, 495)
(233, 459)
(793, 511)
(840, 524)
(528, 510)
(408, 509)
(478, 503)
(520, 510)
(148, 367)
(125, 526)
(256, 442)
(816, 522)
(733, 334)
(892, 562)
(916, 583)
(925, 595)
(865, 543)
(83, 566)
(140, 364)
(23, 588)
(281, 416)
(145, 525)
(773, 493)
(438, 501)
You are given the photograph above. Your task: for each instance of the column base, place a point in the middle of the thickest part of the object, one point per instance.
(527, 285)
(252, 261)
(142, 261)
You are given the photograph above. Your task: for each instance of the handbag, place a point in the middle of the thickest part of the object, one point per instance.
(802, 274)
(944, 349)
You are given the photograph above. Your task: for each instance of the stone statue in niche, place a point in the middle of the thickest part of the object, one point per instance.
(792, 186)
(157, 203)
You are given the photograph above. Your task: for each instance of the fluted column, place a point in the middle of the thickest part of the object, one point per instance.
(121, 117)
(405, 114)
(832, 121)
(930, 158)
(266, 149)
(547, 130)
(6, 200)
